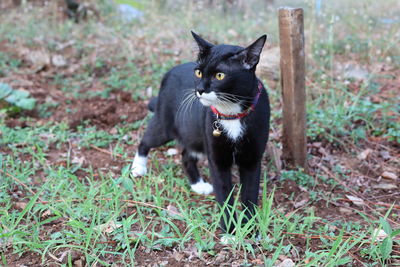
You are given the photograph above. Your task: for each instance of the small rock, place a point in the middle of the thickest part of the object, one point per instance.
(58, 61)
(364, 155)
(172, 152)
(286, 263)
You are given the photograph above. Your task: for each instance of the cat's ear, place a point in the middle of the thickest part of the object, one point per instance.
(204, 46)
(251, 54)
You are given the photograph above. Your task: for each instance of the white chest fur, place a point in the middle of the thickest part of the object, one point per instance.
(233, 128)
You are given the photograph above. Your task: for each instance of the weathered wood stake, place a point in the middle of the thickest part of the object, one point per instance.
(291, 35)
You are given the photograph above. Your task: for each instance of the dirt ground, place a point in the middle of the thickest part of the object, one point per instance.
(364, 164)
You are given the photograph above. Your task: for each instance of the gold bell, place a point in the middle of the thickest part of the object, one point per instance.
(217, 132)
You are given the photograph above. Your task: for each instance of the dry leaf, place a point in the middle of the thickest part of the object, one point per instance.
(78, 263)
(257, 262)
(20, 205)
(389, 175)
(364, 155)
(356, 200)
(45, 214)
(178, 256)
(300, 203)
(345, 211)
(275, 153)
(385, 186)
(108, 227)
(172, 210)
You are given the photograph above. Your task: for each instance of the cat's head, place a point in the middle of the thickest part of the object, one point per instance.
(225, 74)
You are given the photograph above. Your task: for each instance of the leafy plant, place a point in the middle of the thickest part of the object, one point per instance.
(15, 100)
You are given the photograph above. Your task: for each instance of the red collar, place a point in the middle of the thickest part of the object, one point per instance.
(243, 114)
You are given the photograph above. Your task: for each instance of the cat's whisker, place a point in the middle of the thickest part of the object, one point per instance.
(188, 99)
(187, 103)
(234, 95)
(234, 98)
(226, 101)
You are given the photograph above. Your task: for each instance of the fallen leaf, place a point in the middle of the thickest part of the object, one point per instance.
(108, 227)
(78, 263)
(389, 175)
(356, 200)
(301, 203)
(364, 154)
(276, 154)
(45, 214)
(257, 262)
(78, 160)
(345, 211)
(20, 205)
(385, 186)
(172, 210)
(178, 256)
(385, 155)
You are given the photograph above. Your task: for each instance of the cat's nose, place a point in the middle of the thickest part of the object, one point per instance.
(200, 91)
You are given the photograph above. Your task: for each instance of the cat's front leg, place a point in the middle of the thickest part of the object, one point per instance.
(250, 185)
(222, 182)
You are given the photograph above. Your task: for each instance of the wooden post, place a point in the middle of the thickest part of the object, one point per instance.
(291, 36)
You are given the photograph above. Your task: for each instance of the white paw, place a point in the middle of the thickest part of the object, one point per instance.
(138, 167)
(202, 187)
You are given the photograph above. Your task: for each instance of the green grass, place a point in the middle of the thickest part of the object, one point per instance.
(53, 204)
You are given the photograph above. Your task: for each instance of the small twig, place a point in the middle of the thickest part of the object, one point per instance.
(19, 182)
(375, 203)
(107, 152)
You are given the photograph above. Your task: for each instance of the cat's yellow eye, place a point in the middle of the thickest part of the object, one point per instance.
(220, 76)
(198, 73)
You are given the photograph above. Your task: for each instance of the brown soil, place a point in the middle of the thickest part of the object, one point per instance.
(120, 108)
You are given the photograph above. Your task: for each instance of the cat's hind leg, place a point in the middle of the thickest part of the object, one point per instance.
(198, 185)
(154, 136)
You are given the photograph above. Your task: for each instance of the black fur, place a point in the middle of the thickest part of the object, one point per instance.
(192, 125)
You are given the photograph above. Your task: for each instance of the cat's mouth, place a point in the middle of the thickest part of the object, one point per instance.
(207, 99)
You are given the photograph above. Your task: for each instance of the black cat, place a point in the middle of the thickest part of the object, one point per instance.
(216, 107)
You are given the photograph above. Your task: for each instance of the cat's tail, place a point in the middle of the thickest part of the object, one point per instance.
(152, 104)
